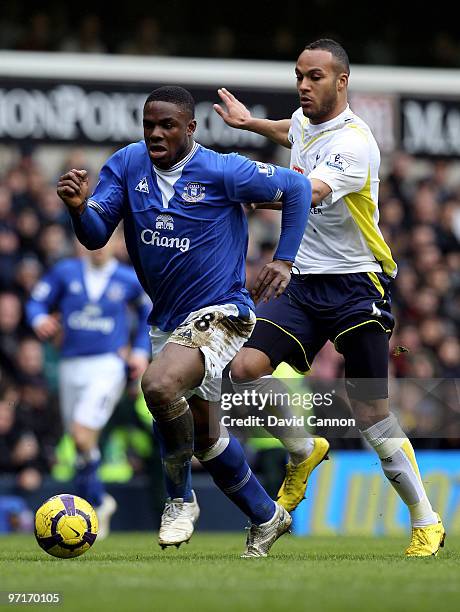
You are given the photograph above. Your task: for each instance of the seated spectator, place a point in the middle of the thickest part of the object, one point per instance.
(9, 254)
(26, 274)
(147, 39)
(88, 39)
(53, 244)
(38, 36)
(11, 331)
(19, 449)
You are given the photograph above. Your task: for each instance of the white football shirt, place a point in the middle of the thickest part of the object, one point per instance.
(342, 235)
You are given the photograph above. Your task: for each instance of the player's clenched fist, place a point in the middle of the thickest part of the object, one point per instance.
(72, 188)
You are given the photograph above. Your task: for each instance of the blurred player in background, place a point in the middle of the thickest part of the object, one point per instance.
(86, 300)
(186, 234)
(342, 291)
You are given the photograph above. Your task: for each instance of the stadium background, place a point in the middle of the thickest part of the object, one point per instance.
(59, 111)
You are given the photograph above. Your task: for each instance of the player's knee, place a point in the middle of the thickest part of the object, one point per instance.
(203, 442)
(250, 364)
(85, 440)
(369, 412)
(159, 388)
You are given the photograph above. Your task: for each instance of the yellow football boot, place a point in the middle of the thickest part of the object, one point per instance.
(426, 541)
(292, 491)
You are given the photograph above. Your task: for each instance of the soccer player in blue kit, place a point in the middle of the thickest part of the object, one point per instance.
(91, 293)
(186, 234)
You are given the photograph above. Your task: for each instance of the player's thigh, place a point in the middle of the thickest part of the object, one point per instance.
(104, 388)
(357, 300)
(174, 370)
(366, 354)
(71, 387)
(218, 333)
(284, 332)
(250, 364)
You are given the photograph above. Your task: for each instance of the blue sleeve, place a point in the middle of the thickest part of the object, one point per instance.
(104, 209)
(44, 296)
(294, 215)
(248, 181)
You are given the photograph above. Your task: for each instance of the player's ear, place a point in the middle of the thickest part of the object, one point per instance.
(191, 127)
(342, 81)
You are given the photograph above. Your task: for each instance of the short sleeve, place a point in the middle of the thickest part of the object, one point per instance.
(345, 167)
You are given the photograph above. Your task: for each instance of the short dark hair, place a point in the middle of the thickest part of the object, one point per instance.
(327, 44)
(175, 95)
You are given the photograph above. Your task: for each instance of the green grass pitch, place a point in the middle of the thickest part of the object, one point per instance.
(129, 572)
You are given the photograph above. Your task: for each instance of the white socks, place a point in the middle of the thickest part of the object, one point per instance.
(400, 467)
(298, 443)
(299, 449)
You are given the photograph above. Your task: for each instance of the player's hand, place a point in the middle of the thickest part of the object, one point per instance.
(137, 364)
(272, 280)
(264, 206)
(48, 327)
(73, 188)
(234, 113)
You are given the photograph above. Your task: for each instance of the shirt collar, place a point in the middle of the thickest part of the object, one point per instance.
(333, 124)
(180, 163)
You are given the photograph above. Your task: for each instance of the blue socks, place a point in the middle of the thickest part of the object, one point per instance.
(227, 465)
(182, 489)
(232, 474)
(87, 482)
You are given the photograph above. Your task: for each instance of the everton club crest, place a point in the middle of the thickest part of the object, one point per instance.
(193, 192)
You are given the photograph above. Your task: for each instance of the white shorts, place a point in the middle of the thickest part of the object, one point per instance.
(219, 332)
(89, 389)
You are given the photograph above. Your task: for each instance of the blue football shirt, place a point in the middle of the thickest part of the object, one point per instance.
(185, 228)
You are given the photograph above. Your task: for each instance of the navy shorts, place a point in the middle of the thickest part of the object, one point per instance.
(319, 307)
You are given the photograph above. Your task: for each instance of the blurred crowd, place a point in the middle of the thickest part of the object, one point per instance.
(223, 32)
(420, 219)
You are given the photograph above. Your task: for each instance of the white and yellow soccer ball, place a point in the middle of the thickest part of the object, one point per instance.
(66, 526)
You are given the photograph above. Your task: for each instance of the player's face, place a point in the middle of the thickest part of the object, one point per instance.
(168, 133)
(101, 256)
(321, 87)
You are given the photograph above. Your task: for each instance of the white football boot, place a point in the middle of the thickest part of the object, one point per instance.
(104, 514)
(262, 537)
(178, 521)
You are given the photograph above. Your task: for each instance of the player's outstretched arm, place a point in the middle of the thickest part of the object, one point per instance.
(236, 115)
(319, 192)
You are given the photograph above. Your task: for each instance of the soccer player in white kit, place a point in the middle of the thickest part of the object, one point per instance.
(342, 291)
(91, 294)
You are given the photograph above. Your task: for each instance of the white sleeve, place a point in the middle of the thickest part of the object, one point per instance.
(294, 128)
(345, 167)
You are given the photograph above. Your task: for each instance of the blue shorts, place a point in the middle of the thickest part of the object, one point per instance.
(319, 307)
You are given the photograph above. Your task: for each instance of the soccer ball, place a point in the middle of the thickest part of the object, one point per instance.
(66, 526)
